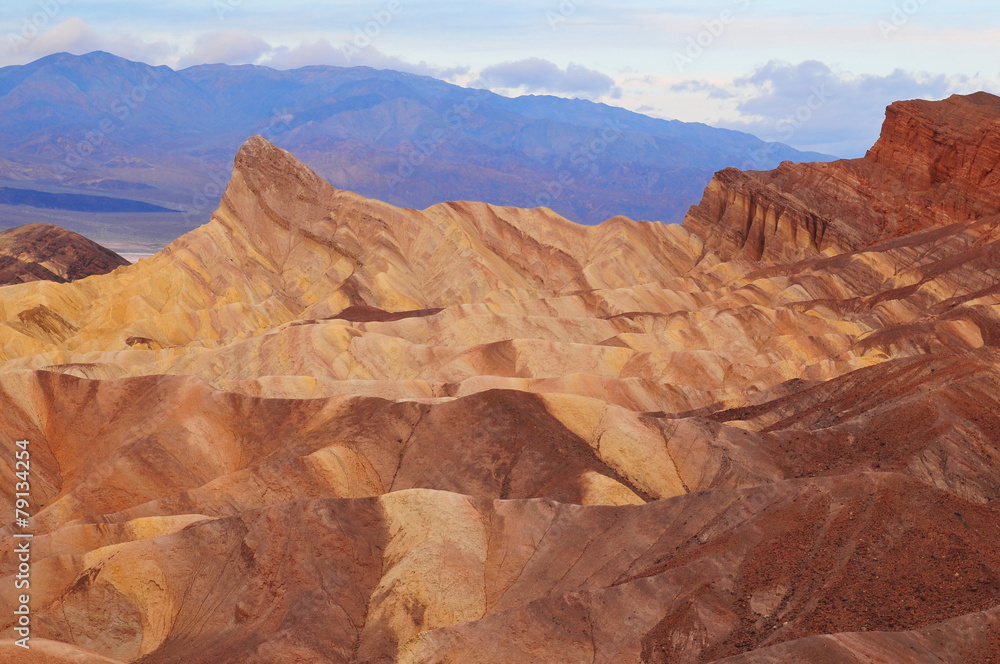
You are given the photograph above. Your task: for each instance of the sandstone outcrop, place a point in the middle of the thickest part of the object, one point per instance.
(935, 164)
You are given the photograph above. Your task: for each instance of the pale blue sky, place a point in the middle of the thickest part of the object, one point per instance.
(755, 69)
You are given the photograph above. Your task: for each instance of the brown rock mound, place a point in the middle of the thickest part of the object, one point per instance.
(44, 252)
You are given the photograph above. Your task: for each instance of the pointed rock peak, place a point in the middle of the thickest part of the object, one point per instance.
(267, 172)
(271, 192)
(255, 145)
(259, 155)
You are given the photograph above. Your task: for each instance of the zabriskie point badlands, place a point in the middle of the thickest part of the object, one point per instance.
(323, 429)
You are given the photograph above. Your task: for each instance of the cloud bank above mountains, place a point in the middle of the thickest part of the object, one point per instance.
(538, 75)
(811, 103)
(737, 65)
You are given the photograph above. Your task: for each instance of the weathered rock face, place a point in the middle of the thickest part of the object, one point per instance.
(44, 252)
(323, 429)
(947, 151)
(935, 164)
(972, 639)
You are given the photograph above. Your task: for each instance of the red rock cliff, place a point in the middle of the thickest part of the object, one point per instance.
(933, 165)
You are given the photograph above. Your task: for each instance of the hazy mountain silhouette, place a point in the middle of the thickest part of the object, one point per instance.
(100, 123)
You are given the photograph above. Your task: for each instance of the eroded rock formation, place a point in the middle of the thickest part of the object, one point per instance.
(45, 252)
(324, 429)
(935, 164)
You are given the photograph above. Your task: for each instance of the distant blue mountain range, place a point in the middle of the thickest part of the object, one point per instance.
(102, 124)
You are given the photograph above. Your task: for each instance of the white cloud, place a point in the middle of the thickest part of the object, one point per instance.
(75, 36)
(319, 52)
(324, 52)
(233, 47)
(538, 75)
(814, 107)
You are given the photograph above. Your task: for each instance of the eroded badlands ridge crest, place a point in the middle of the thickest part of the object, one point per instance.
(767, 435)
